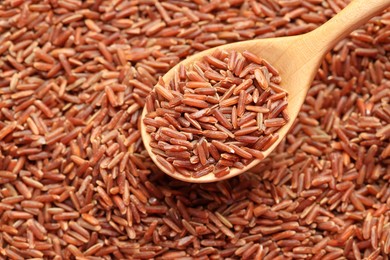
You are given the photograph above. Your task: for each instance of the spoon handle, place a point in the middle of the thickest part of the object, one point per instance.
(354, 15)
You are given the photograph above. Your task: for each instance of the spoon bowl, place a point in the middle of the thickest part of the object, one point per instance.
(297, 58)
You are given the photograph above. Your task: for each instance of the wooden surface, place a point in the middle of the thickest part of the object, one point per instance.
(297, 58)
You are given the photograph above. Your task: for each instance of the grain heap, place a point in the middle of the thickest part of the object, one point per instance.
(77, 182)
(218, 114)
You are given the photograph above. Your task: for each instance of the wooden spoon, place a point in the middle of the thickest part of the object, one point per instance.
(297, 59)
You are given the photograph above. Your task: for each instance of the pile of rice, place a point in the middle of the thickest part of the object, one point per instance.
(76, 181)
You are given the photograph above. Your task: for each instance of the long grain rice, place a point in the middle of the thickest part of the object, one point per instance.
(207, 116)
(76, 181)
